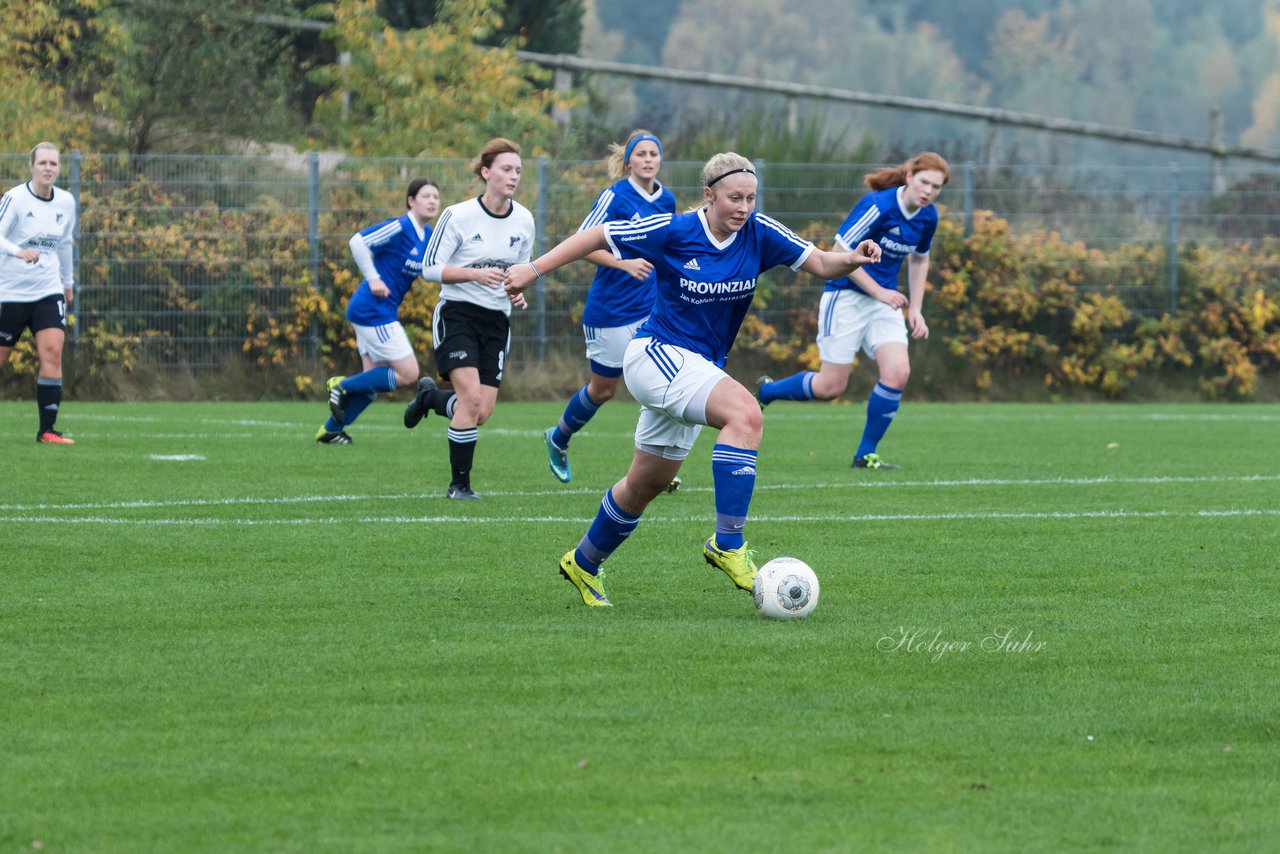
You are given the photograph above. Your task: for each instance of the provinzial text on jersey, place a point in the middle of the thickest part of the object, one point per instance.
(718, 287)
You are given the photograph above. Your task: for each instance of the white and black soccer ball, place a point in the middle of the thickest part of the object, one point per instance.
(785, 589)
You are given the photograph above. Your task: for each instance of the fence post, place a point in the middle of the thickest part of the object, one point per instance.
(539, 246)
(76, 161)
(313, 238)
(759, 167)
(967, 169)
(1172, 247)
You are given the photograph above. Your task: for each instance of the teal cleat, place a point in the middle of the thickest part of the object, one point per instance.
(557, 457)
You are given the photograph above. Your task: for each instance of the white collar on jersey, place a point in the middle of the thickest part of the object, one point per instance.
(902, 191)
(706, 229)
(648, 197)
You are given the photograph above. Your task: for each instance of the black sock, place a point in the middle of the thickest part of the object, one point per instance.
(48, 399)
(462, 451)
(441, 401)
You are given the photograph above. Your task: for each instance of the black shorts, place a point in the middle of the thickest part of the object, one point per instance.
(45, 313)
(468, 336)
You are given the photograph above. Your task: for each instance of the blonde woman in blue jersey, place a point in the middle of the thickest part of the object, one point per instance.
(37, 280)
(864, 309)
(707, 263)
(621, 294)
(389, 254)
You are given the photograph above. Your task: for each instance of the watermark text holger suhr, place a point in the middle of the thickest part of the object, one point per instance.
(1003, 640)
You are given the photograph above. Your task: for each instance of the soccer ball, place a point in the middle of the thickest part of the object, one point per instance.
(785, 589)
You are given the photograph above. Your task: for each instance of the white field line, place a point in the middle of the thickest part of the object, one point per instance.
(599, 490)
(659, 517)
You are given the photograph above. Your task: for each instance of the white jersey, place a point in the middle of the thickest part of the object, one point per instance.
(45, 225)
(468, 235)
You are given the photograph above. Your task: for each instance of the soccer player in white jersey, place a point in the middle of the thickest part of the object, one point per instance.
(864, 309)
(389, 254)
(707, 262)
(37, 279)
(621, 294)
(470, 250)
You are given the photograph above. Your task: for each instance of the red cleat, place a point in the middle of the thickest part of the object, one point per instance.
(53, 437)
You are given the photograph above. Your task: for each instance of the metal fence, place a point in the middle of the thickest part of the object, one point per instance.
(183, 250)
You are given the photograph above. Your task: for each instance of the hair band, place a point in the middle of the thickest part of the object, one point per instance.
(626, 157)
(713, 181)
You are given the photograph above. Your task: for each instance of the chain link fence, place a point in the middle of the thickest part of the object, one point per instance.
(184, 252)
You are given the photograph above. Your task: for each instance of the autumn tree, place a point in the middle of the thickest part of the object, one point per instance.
(435, 91)
(37, 41)
(187, 75)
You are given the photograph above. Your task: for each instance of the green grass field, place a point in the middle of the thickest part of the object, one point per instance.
(217, 635)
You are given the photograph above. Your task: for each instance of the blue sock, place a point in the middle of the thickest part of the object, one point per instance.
(881, 407)
(331, 426)
(356, 404)
(577, 412)
(733, 471)
(795, 387)
(376, 379)
(612, 525)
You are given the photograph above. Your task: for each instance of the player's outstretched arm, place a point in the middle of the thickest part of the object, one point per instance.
(520, 277)
(834, 265)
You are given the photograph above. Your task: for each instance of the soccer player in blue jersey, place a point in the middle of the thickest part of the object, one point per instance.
(621, 294)
(707, 263)
(389, 255)
(864, 309)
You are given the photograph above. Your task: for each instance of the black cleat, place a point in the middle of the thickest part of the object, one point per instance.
(417, 408)
(761, 383)
(338, 398)
(461, 493)
(325, 437)
(873, 461)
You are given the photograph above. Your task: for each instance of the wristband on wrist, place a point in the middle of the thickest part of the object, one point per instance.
(535, 269)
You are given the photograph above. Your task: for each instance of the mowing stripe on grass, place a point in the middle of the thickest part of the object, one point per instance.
(596, 490)
(659, 517)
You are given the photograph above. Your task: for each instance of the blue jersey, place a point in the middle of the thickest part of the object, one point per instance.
(397, 255)
(615, 298)
(704, 286)
(879, 216)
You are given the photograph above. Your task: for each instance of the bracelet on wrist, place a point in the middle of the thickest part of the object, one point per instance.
(536, 272)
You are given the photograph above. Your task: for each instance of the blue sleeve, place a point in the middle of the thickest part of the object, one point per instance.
(646, 238)
(601, 211)
(858, 225)
(926, 239)
(376, 236)
(779, 245)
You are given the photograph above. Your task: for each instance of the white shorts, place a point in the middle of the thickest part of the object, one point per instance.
(387, 343)
(850, 320)
(607, 345)
(672, 385)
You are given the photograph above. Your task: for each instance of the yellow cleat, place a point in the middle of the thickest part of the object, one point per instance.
(738, 564)
(590, 586)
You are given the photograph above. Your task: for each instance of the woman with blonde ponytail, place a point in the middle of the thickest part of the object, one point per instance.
(622, 292)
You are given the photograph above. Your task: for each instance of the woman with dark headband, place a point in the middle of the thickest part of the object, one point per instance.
(707, 262)
(621, 295)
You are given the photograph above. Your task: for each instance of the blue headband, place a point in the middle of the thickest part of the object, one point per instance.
(626, 158)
